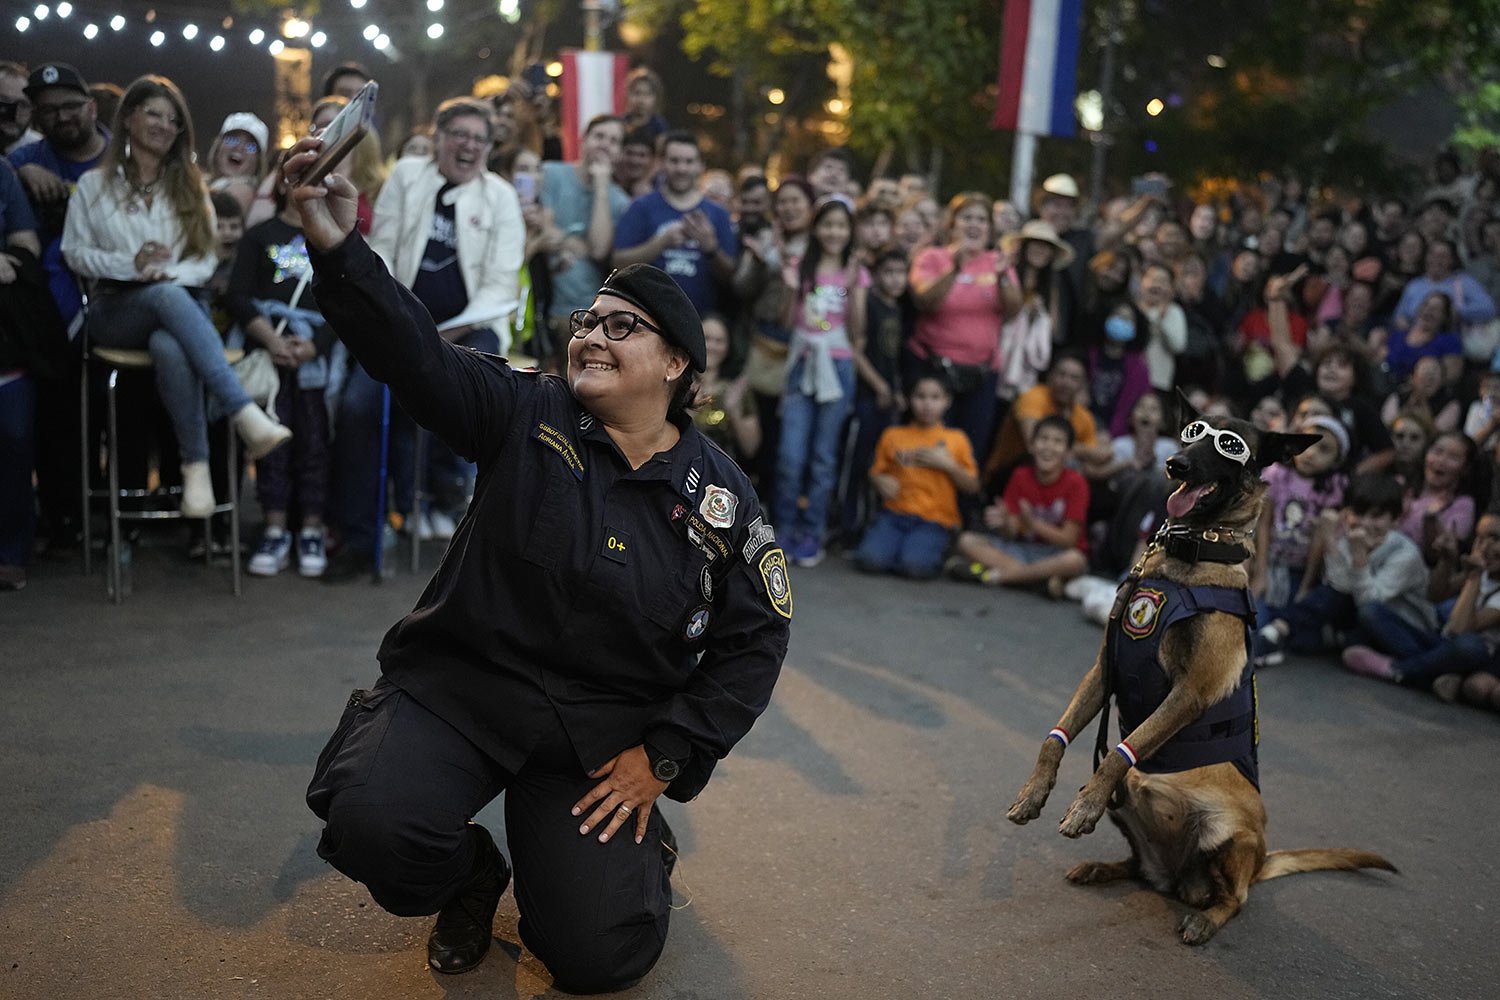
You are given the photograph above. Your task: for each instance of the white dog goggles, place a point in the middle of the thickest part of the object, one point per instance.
(1226, 442)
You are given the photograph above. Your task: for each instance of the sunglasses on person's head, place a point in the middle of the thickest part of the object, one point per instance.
(1226, 442)
(617, 325)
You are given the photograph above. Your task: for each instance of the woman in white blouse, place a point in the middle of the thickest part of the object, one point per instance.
(140, 229)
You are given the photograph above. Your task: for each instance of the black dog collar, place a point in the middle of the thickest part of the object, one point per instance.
(1219, 545)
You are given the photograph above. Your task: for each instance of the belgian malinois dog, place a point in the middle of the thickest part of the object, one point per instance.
(1182, 784)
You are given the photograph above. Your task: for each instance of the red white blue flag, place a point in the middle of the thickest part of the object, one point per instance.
(1039, 67)
(593, 83)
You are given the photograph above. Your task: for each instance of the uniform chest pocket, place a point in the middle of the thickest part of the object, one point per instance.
(675, 598)
(554, 523)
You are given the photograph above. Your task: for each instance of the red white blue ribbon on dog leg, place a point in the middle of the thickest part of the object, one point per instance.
(1060, 735)
(1123, 749)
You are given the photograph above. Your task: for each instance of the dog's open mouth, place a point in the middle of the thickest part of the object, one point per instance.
(1186, 497)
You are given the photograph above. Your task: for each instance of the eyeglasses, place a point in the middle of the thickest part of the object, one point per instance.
(466, 138)
(247, 145)
(1226, 442)
(168, 119)
(48, 112)
(617, 325)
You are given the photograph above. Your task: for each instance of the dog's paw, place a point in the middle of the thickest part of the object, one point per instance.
(1098, 872)
(1082, 816)
(1197, 928)
(1028, 805)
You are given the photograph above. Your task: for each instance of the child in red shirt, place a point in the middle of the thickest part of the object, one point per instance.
(1037, 527)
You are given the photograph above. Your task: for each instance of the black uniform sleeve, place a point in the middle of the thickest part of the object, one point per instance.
(464, 397)
(741, 660)
(240, 295)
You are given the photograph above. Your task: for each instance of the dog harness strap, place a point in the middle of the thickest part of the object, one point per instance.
(1195, 549)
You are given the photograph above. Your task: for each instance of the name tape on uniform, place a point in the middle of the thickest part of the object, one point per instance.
(558, 442)
(761, 535)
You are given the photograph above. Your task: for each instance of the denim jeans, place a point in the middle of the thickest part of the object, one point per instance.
(903, 543)
(186, 349)
(1421, 655)
(355, 490)
(809, 460)
(1322, 606)
(17, 457)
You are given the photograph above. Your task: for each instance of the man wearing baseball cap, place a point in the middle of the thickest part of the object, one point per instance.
(73, 142)
(1057, 205)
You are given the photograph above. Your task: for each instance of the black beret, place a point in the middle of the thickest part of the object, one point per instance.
(653, 290)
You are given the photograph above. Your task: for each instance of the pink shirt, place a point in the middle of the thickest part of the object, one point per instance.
(965, 328)
(825, 308)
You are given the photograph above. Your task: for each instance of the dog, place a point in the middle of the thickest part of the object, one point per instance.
(1182, 785)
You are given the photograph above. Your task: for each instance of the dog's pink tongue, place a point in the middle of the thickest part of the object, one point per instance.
(1182, 500)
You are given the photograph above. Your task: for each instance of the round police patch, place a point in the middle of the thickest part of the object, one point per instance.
(1142, 611)
(697, 624)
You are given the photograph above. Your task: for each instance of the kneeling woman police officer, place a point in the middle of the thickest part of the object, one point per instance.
(606, 624)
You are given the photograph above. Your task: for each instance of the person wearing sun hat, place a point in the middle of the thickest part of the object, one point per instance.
(1039, 255)
(607, 623)
(1058, 203)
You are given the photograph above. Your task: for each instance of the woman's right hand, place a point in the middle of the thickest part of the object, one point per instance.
(150, 254)
(330, 209)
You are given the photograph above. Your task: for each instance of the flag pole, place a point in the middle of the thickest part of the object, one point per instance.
(1022, 166)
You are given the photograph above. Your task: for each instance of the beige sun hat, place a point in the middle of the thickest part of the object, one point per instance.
(1040, 232)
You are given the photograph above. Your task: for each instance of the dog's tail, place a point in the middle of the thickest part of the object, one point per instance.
(1348, 859)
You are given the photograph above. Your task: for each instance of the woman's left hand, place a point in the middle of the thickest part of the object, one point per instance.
(628, 787)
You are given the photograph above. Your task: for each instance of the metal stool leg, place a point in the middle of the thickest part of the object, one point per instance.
(85, 446)
(113, 444)
(235, 470)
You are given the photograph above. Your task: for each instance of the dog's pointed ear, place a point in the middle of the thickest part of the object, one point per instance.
(1186, 411)
(1275, 447)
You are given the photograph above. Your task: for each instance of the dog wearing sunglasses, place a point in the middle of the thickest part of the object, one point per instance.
(1182, 784)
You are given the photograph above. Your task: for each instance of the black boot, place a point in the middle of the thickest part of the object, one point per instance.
(464, 927)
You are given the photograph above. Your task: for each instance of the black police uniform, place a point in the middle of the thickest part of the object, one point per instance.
(581, 608)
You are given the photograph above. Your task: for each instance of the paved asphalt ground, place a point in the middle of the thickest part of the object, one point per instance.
(153, 758)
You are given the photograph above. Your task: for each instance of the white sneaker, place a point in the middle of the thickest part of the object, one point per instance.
(419, 526)
(442, 525)
(312, 554)
(260, 432)
(272, 555)
(197, 490)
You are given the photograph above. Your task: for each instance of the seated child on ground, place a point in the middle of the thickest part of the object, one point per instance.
(1465, 647)
(1297, 494)
(920, 468)
(1037, 527)
(1366, 562)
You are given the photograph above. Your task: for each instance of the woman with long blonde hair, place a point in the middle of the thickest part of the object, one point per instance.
(140, 229)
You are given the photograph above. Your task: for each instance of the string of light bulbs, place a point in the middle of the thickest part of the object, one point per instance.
(273, 38)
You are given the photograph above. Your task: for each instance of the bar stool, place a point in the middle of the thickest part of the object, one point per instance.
(113, 361)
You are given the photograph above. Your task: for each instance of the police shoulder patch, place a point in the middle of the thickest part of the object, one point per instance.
(778, 586)
(1142, 612)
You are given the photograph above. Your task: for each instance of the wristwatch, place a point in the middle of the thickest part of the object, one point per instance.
(663, 768)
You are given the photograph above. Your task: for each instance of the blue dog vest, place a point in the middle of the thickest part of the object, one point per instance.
(1228, 730)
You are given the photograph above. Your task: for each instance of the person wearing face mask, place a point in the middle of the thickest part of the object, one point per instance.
(453, 233)
(1118, 373)
(609, 622)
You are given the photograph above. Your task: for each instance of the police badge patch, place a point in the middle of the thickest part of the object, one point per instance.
(778, 587)
(1142, 611)
(718, 506)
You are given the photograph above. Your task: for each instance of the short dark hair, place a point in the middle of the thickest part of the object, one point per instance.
(1067, 354)
(938, 378)
(462, 107)
(889, 254)
(344, 69)
(1054, 422)
(753, 182)
(833, 153)
(1375, 493)
(226, 205)
(642, 136)
(682, 137)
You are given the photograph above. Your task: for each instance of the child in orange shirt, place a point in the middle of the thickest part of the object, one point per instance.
(919, 469)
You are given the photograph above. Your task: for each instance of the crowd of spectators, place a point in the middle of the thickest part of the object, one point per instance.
(986, 389)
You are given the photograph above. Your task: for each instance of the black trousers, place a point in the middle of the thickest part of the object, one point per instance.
(396, 786)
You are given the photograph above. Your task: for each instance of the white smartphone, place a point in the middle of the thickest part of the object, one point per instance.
(344, 133)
